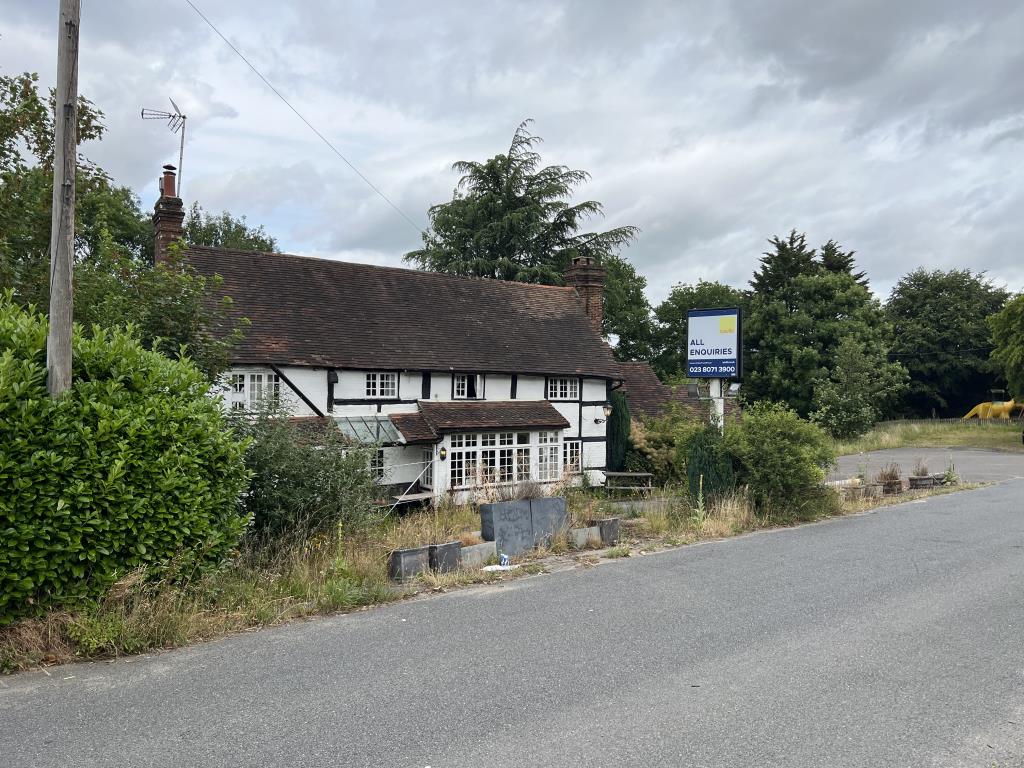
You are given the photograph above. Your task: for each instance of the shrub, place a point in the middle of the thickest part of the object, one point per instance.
(780, 457)
(708, 465)
(662, 443)
(305, 478)
(618, 431)
(134, 465)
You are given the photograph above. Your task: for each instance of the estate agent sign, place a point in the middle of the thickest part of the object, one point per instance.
(713, 344)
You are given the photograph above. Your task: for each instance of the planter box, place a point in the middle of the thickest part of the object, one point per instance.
(478, 555)
(891, 489)
(609, 528)
(548, 518)
(446, 557)
(925, 481)
(405, 563)
(581, 538)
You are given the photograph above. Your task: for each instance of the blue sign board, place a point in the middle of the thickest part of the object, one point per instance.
(713, 344)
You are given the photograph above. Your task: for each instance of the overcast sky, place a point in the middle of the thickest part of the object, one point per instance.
(896, 128)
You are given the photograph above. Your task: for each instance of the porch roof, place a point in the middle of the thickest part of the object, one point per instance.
(443, 417)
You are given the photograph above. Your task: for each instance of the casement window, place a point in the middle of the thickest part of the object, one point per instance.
(564, 389)
(492, 457)
(572, 456)
(377, 464)
(251, 391)
(468, 386)
(237, 393)
(382, 385)
(427, 478)
(264, 388)
(549, 457)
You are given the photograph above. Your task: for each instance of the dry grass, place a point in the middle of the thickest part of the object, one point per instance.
(264, 587)
(998, 435)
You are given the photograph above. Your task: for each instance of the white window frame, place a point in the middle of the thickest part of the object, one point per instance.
(572, 456)
(460, 386)
(381, 385)
(563, 388)
(427, 478)
(378, 465)
(549, 457)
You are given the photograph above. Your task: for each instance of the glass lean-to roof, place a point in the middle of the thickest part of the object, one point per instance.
(369, 429)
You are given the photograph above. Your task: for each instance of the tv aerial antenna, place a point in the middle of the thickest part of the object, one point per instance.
(176, 122)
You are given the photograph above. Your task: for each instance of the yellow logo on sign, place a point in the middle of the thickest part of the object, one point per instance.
(727, 325)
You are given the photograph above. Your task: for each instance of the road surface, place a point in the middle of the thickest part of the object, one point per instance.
(888, 639)
(972, 465)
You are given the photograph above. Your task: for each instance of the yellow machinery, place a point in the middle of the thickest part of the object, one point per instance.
(996, 409)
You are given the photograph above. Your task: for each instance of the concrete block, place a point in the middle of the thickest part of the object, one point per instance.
(609, 528)
(548, 518)
(581, 538)
(477, 555)
(446, 557)
(405, 563)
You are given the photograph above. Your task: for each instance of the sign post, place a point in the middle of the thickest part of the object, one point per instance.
(713, 353)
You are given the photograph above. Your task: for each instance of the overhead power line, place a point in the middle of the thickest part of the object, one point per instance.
(309, 125)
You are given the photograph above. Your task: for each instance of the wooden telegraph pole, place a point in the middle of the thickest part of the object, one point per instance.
(62, 223)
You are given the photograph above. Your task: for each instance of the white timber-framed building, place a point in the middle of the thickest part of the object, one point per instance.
(464, 384)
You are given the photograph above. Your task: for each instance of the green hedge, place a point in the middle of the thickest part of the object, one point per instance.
(131, 467)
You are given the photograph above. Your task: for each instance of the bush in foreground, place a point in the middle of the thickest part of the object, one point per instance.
(305, 478)
(708, 465)
(133, 466)
(781, 458)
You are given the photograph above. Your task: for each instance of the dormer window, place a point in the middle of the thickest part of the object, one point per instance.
(382, 385)
(468, 386)
(564, 389)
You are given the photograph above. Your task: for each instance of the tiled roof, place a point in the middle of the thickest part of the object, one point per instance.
(319, 312)
(414, 428)
(508, 414)
(646, 394)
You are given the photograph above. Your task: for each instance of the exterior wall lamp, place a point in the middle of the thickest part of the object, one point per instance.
(442, 454)
(607, 410)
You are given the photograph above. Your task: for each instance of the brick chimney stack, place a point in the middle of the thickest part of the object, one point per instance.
(168, 216)
(587, 277)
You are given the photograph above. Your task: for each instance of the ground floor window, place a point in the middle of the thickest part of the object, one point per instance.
(427, 478)
(572, 456)
(377, 464)
(488, 458)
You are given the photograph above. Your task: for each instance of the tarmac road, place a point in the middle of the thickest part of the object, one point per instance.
(889, 639)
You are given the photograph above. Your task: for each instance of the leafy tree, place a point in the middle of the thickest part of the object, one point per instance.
(512, 219)
(835, 259)
(627, 315)
(1008, 336)
(942, 337)
(225, 231)
(116, 285)
(849, 401)
(790, 259)
(670, 331)
(799, 314)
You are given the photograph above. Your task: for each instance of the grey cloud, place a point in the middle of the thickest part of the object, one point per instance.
(892, 127)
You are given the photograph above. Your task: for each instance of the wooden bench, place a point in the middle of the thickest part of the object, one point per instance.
(628, 481)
